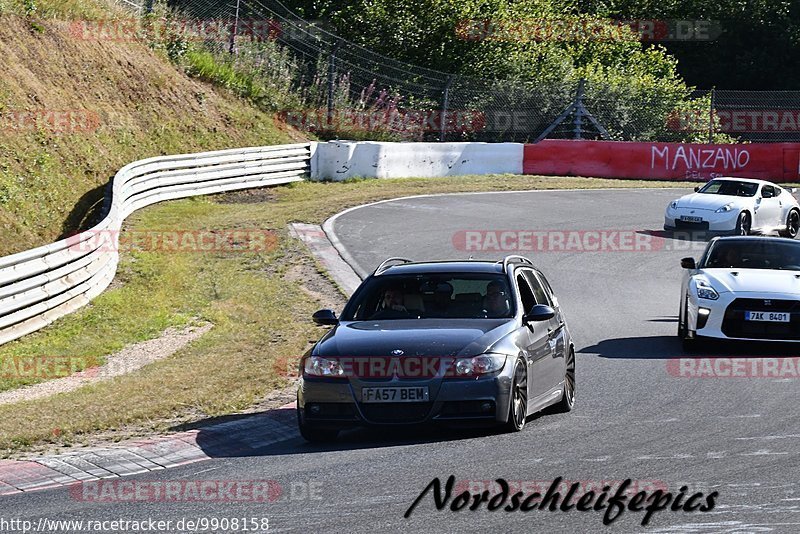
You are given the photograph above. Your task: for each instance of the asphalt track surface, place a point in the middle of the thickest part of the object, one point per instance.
(634, 417)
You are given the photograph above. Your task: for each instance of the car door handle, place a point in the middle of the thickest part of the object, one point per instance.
(552, 331)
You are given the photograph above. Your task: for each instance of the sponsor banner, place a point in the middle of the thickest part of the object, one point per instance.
(777, 162)
(727, 367)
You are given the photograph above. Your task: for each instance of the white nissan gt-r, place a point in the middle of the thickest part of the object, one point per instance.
(736, 205)
(742, 288)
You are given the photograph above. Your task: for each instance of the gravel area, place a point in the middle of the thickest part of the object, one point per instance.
(127, 360)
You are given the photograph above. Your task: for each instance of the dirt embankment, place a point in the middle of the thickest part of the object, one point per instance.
(75, 108)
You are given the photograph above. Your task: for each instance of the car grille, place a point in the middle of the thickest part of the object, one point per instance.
(398, 412)
(734, 325)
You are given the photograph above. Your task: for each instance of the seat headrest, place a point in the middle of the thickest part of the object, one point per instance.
(413, 301)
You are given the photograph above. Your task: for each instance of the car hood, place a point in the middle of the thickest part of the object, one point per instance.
(415, 337)
(702, 201)
(754, 280)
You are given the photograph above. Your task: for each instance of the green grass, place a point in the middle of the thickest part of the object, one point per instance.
(260, 318)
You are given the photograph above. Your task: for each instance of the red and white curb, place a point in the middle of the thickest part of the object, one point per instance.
(323, 248)
(241, 437)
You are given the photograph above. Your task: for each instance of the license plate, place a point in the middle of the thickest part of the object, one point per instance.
(770, 317)
(689, 218)
(417, 394)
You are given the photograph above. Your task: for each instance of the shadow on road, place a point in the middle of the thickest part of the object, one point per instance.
(274, 433)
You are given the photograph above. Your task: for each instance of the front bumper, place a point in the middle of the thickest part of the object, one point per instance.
(725, 318)
(711, 221)
(337, 403)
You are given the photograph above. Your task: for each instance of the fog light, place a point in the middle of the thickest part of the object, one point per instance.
(314, 409)
(702, 317)
(487, 407)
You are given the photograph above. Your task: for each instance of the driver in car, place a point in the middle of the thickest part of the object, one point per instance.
(391, 306)
(496, 301)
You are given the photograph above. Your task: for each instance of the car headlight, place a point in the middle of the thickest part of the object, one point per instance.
(705, 291)
(318, 366)
(674, 205)
(725, 208)
(479, 365)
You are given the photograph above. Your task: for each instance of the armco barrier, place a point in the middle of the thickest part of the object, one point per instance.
(40, 285)
(778, 162)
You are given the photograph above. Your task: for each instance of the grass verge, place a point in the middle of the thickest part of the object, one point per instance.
(258, 301)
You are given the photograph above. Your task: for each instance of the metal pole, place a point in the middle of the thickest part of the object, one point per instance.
(331, 83)
(711, 116)
(443, 114)
(579, 111)
(232, 48)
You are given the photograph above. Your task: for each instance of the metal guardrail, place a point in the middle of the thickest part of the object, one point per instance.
(40, 285)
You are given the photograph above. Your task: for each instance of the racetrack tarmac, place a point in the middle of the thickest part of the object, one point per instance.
(618, 279)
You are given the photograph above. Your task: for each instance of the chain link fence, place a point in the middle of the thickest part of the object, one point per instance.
(342, 90)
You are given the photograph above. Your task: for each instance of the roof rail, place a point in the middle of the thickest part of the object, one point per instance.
(514, 257)
(384, 265)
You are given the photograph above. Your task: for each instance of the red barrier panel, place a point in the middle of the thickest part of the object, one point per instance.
(777, 162)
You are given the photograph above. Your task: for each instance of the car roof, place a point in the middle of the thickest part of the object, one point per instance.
(749, 180)
(445, 266)
(760, 239)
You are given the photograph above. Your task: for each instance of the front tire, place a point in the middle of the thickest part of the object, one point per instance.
(518, 405)
(567, 401)
(792, 225)
(743, 224)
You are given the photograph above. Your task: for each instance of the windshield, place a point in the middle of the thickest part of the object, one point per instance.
(433, 295)
(730, 187)
(754, 254)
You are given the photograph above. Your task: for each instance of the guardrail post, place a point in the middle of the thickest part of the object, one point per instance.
(443, 114)
(232, 48)
(331, 84)
(711, 116)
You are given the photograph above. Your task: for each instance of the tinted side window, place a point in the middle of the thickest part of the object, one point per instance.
(767, 191)
(538, 290)
(525, 293)
(547, 288)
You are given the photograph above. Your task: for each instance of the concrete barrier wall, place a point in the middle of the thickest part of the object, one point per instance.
(339, 160)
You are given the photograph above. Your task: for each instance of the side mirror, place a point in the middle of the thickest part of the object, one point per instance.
(696, 188)
(793, 190)
(688, 263)
(539, 313)
(325, 318)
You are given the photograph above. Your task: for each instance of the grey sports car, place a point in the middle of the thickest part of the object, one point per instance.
(460, 342)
